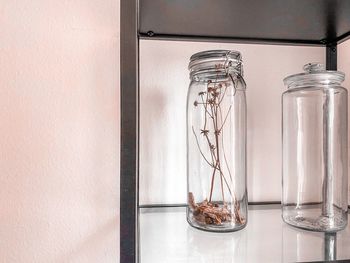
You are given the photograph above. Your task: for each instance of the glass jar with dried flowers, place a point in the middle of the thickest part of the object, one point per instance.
(216, 142)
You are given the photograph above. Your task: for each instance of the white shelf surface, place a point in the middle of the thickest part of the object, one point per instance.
(165, 236)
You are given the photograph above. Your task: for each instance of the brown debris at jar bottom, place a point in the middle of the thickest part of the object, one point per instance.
(213, 214)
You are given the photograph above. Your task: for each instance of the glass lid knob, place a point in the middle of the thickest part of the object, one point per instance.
(313, 67)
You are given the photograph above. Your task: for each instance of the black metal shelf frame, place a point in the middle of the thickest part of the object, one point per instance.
(131, 32)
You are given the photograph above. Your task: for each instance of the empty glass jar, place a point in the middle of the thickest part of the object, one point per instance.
(216, 142)
(315, 153)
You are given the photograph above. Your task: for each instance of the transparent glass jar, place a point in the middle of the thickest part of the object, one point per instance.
(216, 142)
(315, 156)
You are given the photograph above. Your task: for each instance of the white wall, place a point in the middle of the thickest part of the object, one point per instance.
(59, 131)
(164, 83)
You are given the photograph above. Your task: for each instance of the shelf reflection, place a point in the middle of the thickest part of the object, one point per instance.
(302, 245)
(218, 247)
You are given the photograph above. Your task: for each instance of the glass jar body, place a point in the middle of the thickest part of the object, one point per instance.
(315, 157)
(216, 153)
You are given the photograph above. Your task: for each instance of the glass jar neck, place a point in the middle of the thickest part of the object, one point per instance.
(215, 65)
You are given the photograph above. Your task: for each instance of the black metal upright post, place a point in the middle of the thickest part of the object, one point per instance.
(129, 130)
(327, 189)
(330, 239)
(330, 246)
(331, 57)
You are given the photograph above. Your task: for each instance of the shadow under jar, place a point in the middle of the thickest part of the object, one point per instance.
(315, 176)
(216, 142)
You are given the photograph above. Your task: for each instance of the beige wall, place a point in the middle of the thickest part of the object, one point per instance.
(59, 131)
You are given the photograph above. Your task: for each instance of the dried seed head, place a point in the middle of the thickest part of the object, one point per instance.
(217, 132)
(204, 132)
(211, 101)
(215, 94)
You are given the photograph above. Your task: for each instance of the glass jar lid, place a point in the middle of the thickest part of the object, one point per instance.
(219, 62)
(314, 74)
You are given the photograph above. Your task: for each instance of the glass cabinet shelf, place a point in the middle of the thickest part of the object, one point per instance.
(165, 236)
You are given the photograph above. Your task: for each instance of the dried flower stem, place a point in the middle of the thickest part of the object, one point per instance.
(223, 148)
